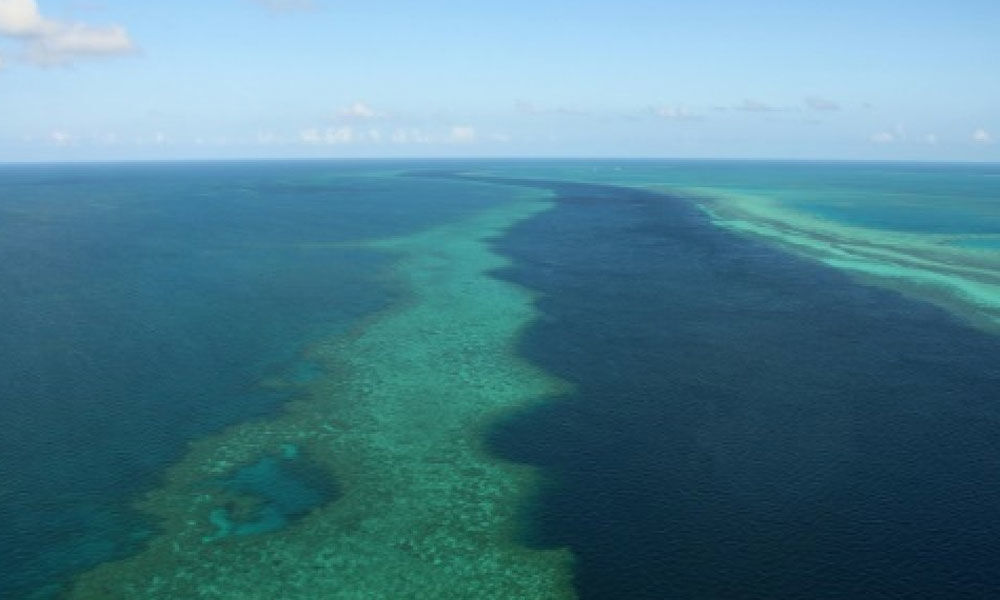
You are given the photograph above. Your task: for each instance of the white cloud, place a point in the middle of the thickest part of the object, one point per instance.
(49, 42)
(331, 136)
(931, 138)
(61, 138)
(344, 135)
(410, 136)
(883, 137)
(20, 17)
(896, 134)
(817, 103)
(981, 136)
(311, 136)
(339, 135)
(358, 110)
(462, 134)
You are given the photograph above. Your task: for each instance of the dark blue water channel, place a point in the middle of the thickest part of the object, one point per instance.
(747, 424)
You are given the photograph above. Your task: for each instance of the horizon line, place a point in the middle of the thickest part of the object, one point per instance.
(374, 159)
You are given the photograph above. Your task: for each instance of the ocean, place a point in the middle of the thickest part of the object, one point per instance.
(498, 379)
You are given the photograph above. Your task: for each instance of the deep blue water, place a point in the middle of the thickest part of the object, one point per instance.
(747, 424)
(141, 305)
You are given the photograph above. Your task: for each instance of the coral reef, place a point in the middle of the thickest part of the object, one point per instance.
(395, 416)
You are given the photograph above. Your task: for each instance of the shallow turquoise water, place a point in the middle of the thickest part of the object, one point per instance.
(278, 489)
(978, 243)
(922, 198)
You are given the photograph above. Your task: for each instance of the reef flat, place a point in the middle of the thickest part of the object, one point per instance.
(395, 416)
(959, 272)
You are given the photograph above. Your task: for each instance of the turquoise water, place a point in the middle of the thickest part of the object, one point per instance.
(290, 370)
(268, 494)
(924, 198)
(980, 243)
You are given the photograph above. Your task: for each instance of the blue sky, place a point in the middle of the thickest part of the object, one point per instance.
(875, 79)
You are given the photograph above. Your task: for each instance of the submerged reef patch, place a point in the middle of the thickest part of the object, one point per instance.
(394, 413)
(268, 494)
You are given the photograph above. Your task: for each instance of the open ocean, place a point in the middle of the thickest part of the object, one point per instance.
(500, 379)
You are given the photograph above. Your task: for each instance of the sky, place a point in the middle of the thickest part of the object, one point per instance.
(232, 79)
